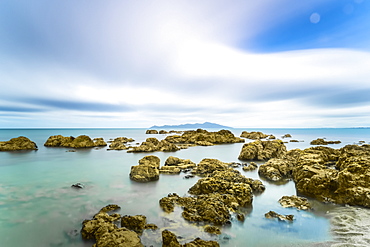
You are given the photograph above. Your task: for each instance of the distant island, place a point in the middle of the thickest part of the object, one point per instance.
(192, 126)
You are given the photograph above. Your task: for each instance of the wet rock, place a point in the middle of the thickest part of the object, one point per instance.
(212, 229)
(300, 203)
(81, 141)
(99, 142)
(77, 186)
(153, 145)
(135, 223)
(169, 239)
(18, 143)
(287, 136)
(208, 166)
(271, 137)
(253, 135)
(119, 143)
(251, 167)
(189, 176)
(147, 170)
(320, 141)
(293, 140)
(263, 150)
(202, 137)
(151, 132)
(174, 165)
(240, 217)
(276, 169)
(163, 132)
(272, 215)
(203, 143)
(120, 237)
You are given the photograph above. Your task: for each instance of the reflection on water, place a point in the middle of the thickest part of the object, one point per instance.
(39, 208)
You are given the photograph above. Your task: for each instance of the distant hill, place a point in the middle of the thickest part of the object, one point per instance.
(192, 126)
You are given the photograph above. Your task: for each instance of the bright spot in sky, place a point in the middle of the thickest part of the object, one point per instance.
(315, 18)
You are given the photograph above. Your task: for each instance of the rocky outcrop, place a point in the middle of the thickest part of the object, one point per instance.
(280, 217)
(300, 203)
(174, 165)
(276, 169)
(136, 223)
(153, 145)
(208, 166)
(119, 143)
(18, 143)
(263, 150)
(320, 141)
(151, 132)
(147, 170)
(287, 136)
(169, 239)
(99, 142)
(202, 137)
(105, 232)
(254, 135)
(81, 141)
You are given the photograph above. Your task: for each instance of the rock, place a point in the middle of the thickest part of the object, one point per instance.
(174, 165)
(203, 143)
(253, 135)
(251, 167)
(120, 237)
(163, 132)
(271, 137)
(147, 170)
(287, 136)
(77, 186)
(169, 239)
(99, 142)
(263, 150)
(151, 132)
(240, 217)
(153, 145)
(18, 143)
(300, 203)
(276, 169)
(135, 223)
(272, 214)
(189, 176)
(212, 229)
(81, 141)
(203, 137)
(320, 141)
(208, 166)
(119, 143)
(293, 140)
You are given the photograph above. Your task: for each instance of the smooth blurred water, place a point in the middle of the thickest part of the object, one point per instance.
(38, 207)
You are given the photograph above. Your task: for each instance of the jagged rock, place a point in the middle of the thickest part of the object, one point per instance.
(151, 132)
(153, 145)
(203, 143)
(320, 141)
(163, 132)
(271, 137)
(18, 143)
(208, 166)
(263, 150)
(136, 223)
(99, 142)
(272, 214)
(120, 237)
(300, 203)
(253, 135)
(147, 170)
(119, 143)
(201, 136)
(251, 167)
(174, 165)
(81, 141)
(212, 229)
(276, 169)
(287, 136)
(240, 217)
(169, 239)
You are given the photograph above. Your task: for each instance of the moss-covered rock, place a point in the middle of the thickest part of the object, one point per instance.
(263, 150)
(276, 169)
(169, 239)
(320, 141)
(81, 141)
(18, 143)
(151, 132)
(254, 135)
(119, 143)
(300, 203)
(147, 170)
(280, 217)
(174, 165)
(153, 145)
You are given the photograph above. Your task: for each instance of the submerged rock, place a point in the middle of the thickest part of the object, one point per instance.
(300, 203)
(18, 143)
(320, 141)
(81, 141)
(254, 135)
(280, 217)
(147, 170)
(262, 150)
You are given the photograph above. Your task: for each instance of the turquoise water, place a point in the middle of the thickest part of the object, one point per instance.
(39, 208)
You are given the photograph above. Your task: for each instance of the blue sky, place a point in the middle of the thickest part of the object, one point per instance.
(271, 63)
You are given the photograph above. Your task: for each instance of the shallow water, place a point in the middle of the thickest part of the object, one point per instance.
(39, 208)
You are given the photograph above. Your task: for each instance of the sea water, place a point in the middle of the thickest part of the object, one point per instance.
(39, 208)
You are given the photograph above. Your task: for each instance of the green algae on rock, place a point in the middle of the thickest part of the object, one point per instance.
(81, 141)
(254, 135)
(169, 239)
(280, 217)
(320, 141)
(154, 145)
(262, 150)
(147, 170)
(300, 203)
(18, 143)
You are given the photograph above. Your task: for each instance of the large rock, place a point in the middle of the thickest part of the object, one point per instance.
(99, 142)
(151, 132)
(18, 143)
(208, 166)
(320, 141)
(203, 137)
(147, 170)
(153, 145)
(174, 165)
(136, 223)
(169, 239)
(81, 141)
(119, 143)
(253, 135)
(276, 169)
(263, 150)
(106, 233)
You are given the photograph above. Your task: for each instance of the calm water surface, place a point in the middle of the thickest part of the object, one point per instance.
(38, 207)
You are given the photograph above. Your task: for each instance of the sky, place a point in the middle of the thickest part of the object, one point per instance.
(244, 64)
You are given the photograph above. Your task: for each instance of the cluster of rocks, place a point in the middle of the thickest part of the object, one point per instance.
(81, 141)
(263, 150)
(174, 165)
(169, 239)
(255, 135)
(163, 132)
(321, 141)
(154, 145)
(119, 143)
(18, 143)
(251, 167)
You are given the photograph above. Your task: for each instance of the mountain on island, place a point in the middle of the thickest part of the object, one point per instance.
(192, 126)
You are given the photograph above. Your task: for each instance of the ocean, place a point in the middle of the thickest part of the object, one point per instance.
(39, 208)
